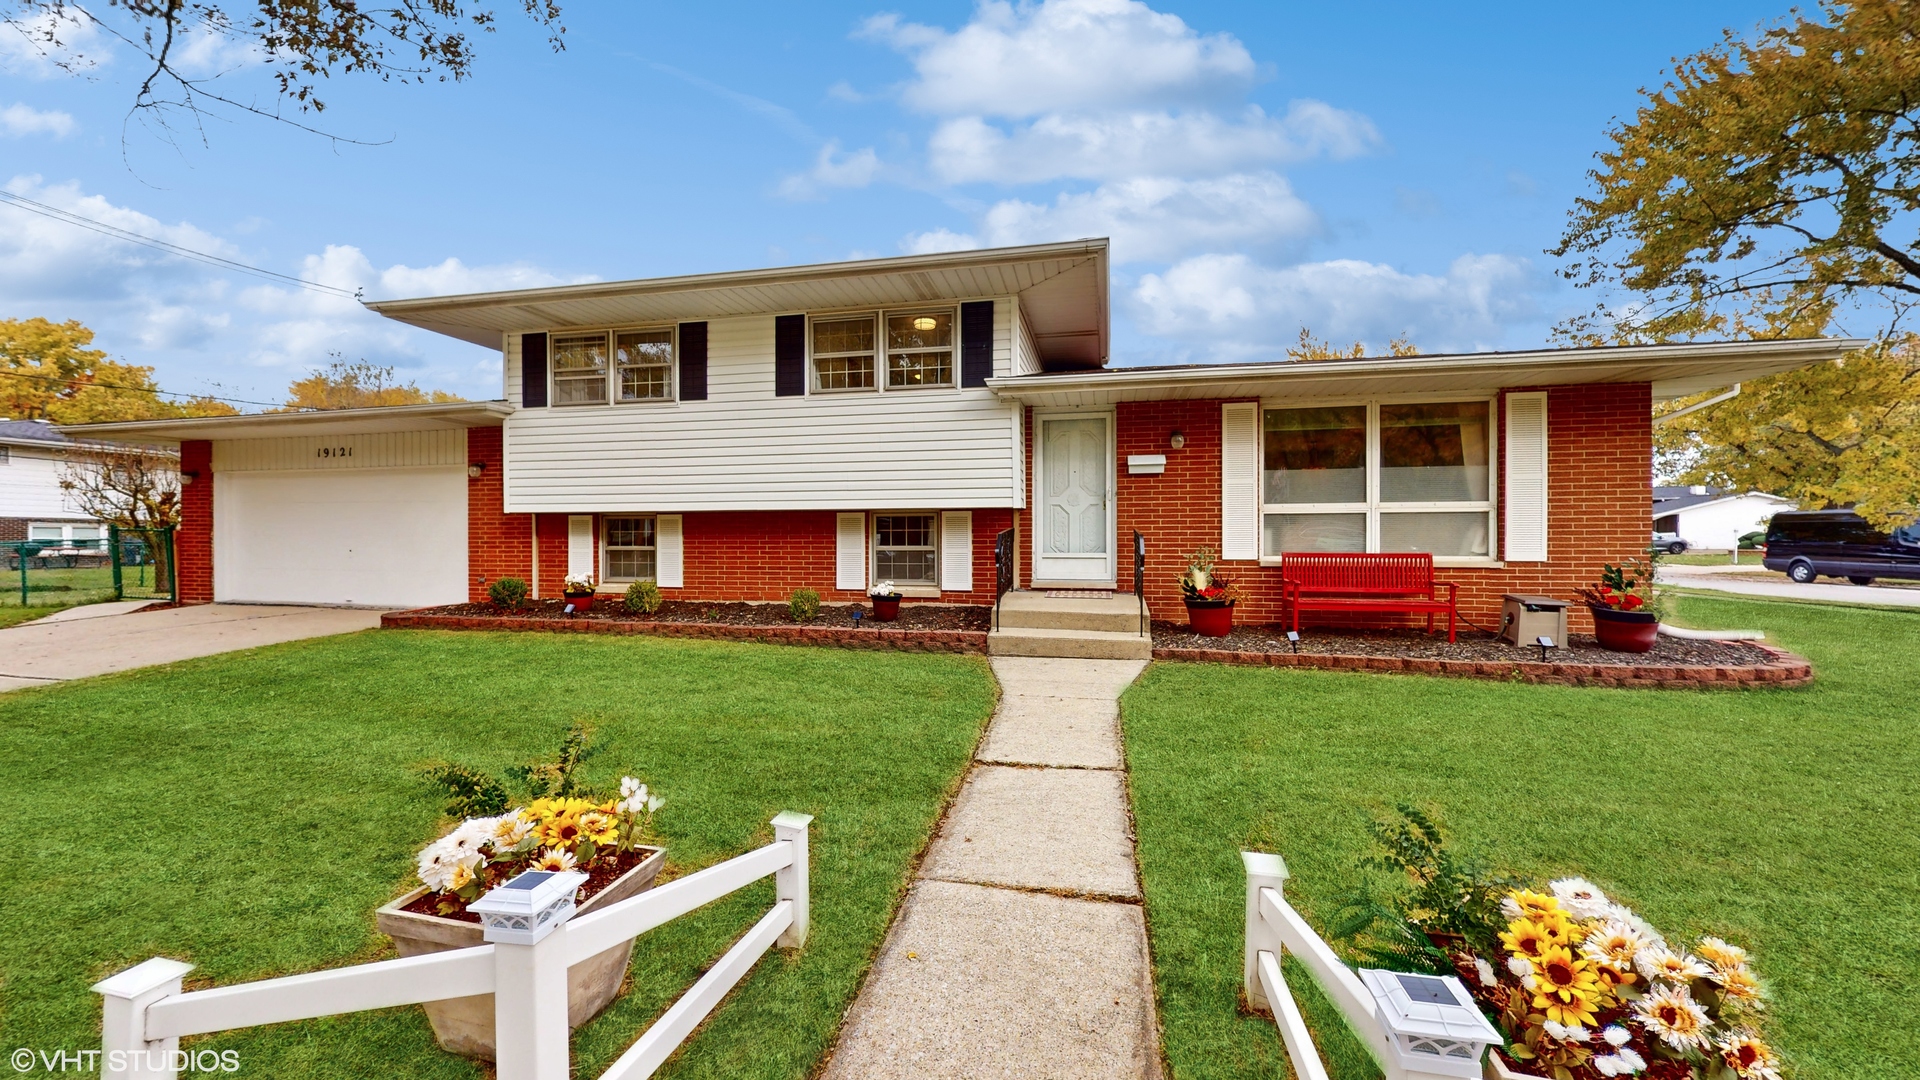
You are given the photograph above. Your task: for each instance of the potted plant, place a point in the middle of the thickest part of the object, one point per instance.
(886, 601)
(1209, 597)
(564, 827)
(1622, 607)
(578, 589)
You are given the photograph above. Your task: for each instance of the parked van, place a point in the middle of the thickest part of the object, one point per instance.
(1839, 543)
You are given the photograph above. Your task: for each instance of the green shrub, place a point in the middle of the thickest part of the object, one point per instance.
(643, 597)
(803, 605)
(508, 592)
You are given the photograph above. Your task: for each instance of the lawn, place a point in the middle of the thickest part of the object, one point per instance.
(248, 812)
(1785, 820)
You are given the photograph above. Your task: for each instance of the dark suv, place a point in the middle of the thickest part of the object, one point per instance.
(1840, 543)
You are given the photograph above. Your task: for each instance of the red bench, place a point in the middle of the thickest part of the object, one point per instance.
(1340, 581)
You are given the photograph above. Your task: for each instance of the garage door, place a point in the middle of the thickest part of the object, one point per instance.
(373, 537)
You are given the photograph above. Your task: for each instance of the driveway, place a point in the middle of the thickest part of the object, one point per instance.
(1719, 580)
(49, 651)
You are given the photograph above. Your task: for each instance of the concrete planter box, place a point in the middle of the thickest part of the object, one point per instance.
(465, 1025)
(1496, 1069)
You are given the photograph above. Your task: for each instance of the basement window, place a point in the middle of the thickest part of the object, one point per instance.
(629, 553)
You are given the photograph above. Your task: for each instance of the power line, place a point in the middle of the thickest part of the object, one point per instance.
(77, 382)
(118, 233)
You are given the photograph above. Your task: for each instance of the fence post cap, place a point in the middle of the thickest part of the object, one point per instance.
(529, 907)
(791, 819)
(1264, 864)
(141, 978)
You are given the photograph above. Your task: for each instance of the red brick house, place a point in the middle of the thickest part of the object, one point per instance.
(740, 435)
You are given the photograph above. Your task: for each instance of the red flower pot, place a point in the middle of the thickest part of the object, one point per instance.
(1625, 631)
(885, 608)
(580, 603)
(1210, 618)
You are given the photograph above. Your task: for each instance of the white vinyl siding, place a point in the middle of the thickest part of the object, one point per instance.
(30, 486)
(956, 551)
(378, 450)
(1025, 359)
(1526, 480)
(669, 552)
(850, 552)
(510, 368)
(745, 449)
(1240, 481)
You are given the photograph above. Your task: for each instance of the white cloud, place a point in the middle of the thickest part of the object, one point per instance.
(26, 120)
(938, 240)
(1108, 145)
(1152, 219)
(51, 44)
(1063, 55)
(43, 257)
(1241, 309)
(832, 169)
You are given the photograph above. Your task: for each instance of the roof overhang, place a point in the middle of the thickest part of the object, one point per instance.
(1062, 289)
(437, 417)
(1674, 370)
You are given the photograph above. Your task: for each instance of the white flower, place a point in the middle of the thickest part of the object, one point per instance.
(577, 583)
(1528, 982)
(629, 787)
(442, 864)
(1625, 914)
(1671, 1013)
(1519, 966)
(1485, 970)
(1581, 898)
(1623, 1063)
(473, 833)
(555, 859)
(1614, 942)
(884, 588)
(1662, 963)
(1632, 1057)
(1617, 1035)
(1566, 1032)
(510, 830)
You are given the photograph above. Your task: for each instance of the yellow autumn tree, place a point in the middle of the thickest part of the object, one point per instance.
(358, 384)
(1312, 348)
(49, 371)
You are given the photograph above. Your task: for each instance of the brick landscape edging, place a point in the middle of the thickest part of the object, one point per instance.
(1785, 669)
(957, 641)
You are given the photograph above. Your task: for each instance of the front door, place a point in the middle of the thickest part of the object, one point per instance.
(1073, 531)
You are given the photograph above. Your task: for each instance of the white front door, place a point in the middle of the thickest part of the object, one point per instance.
(1073, 528)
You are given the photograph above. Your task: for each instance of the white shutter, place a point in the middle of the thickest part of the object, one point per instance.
(669, 553)
(850, 552)
(1240, 480)
(1526, 487)
(956, 551)
(580, 553)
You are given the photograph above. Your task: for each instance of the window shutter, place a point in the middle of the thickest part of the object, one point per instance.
(976, 342)
(1240, 480)
(850, 552)
(1526, 487)
(956, 551)
(789, 355)
(533, 370)
(580, 553)
(693, 361)
(669, 552)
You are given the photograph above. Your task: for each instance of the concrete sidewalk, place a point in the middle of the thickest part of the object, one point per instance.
(48, 651)
(1821, 591)
(1021, 950)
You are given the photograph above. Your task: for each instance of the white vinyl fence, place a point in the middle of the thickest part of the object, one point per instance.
(1411, 1040)
(146, 1014)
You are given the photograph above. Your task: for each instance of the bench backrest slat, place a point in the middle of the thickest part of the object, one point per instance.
(1352, 572)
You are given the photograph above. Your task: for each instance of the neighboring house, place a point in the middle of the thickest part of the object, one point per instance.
(32, 506)
(740, 435)
(1713, 517)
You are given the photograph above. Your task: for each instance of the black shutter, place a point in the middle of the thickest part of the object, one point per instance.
(789, 355)
(533, 370)
(693, 361)
(976, 342)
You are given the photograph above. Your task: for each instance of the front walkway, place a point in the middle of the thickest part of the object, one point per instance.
(1021, 949)
(49, 651)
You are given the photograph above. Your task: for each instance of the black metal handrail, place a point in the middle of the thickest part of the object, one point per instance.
(1002, 570)
(1140, 577)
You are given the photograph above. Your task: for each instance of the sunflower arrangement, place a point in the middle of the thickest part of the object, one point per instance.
(1584, 988)
(552, 833)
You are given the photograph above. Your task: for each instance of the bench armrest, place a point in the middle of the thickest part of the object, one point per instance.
(1453, 590)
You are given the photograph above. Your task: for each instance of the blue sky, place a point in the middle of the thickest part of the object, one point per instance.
(1363, 169)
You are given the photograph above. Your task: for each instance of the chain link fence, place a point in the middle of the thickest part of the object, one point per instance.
(114, 564)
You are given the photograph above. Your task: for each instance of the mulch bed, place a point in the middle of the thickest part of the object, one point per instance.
(599, 877)
(920, 627)
(1673, 662)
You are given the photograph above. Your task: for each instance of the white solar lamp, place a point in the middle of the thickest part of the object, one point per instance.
(1432, 1023)
(529, 907)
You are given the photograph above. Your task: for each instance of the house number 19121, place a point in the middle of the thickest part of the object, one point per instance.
(333, 452)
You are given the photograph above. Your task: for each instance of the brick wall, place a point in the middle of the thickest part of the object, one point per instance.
(499, 544)
(765, 555)
(1599, 486)
(193, 541)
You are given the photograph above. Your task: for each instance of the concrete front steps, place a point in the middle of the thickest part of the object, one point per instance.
(1078, 627)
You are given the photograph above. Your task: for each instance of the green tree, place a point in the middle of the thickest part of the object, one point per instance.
(48, 371)
(1769, 190)
(358, 384)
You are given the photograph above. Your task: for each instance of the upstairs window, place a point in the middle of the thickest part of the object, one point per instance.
(579, 369)
(843, 354)
(920, 349)
(612, 366)
(644, 360)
